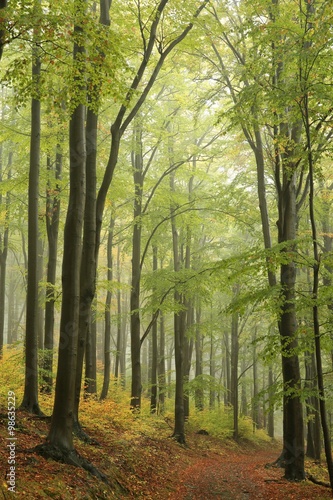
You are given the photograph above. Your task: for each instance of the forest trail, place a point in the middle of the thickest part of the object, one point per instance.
(242, 476)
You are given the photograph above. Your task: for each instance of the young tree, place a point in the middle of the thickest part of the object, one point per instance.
(60, 434)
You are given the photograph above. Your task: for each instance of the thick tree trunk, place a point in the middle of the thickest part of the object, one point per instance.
(293, 440)
(107, 313)
(88, 259)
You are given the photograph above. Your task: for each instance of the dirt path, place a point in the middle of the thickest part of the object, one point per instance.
(239, 476)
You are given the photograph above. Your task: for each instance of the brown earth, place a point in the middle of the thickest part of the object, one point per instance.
(144, 463)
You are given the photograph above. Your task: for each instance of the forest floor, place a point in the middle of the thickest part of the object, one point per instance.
(140, 460)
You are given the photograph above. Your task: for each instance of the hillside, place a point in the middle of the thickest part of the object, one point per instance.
(140, 460)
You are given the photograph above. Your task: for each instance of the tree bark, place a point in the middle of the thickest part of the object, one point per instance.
(234, 371)
(60, 434)
(107, 314)
(30, 397)
(153, 381)
(138, 177)
(52, 229)
(199, 392)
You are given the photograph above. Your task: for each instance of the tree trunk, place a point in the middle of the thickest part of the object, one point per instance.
(161, 366)
(119, 371)
(270, 425)
(30, 397)
(227, 369)
(293, 441)
(179, 327)
(255, 407)
(199, 393)
(88, 260)
(107, 314)
(137, 165)
(3, 259)
(90, 382)
(315, 291)
(212, 394)
(153, 381)
(234, 372)
(52, 229)
(60, 434)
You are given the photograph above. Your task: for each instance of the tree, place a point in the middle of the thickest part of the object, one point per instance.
(30, 397)
(60, 435)
(52, 228)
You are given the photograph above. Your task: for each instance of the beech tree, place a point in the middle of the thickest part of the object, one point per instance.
(30, 397)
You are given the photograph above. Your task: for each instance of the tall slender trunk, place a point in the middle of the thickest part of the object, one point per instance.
(179, 327)
(270, 424)
(88, 270)
(30, 397)
(161, 365)
(234, 371)
(4, 240)
(118, 371)
(137, 165)
(153, 381)
(52, 229)
(315, 291)
(199, 392)
(107, 313)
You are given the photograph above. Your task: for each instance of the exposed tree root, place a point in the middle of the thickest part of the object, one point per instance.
(311, 478)
(279, 462)
(32, 408)
(180, 438)
(70, 457)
